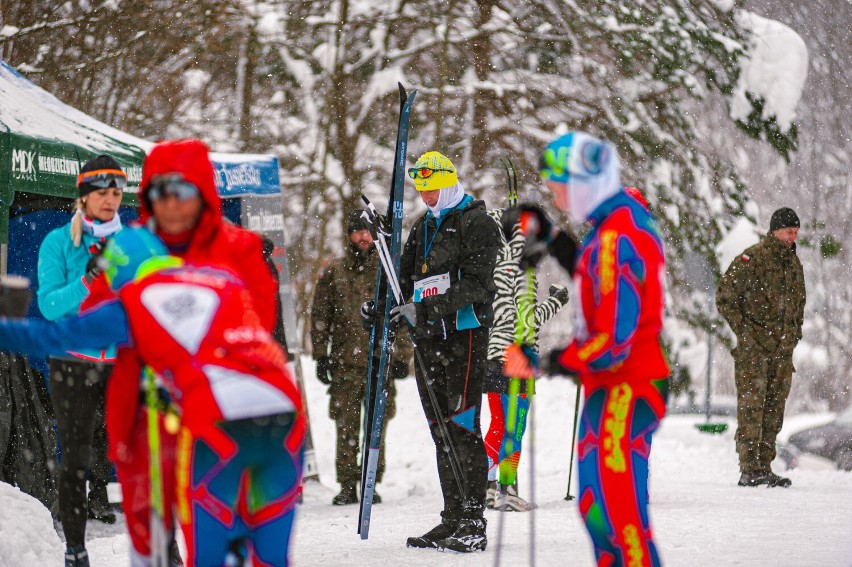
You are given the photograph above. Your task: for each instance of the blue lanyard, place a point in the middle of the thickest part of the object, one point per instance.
(428, 246)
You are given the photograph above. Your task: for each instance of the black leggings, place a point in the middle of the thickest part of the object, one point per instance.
(77, 389)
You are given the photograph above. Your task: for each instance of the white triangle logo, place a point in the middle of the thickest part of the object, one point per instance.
(184, 311)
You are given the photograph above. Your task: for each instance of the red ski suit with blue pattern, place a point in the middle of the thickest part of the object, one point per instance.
(619, 358)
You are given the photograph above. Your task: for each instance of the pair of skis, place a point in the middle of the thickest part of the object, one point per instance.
(389, 292)
(383, 335)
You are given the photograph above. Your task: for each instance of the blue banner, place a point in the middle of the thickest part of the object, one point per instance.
(247, 174)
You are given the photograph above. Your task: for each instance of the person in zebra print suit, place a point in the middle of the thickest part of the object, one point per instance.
(511, 283)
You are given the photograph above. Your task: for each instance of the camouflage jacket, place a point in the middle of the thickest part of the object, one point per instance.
(762, 297)
(336, 328)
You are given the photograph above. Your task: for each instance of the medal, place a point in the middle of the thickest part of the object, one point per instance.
(425, 267)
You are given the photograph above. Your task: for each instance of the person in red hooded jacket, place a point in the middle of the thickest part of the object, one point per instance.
(241, 424)
(179, 203)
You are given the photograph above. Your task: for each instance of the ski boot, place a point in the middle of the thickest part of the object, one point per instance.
(430, 539)
(76, 556)
(492, 494)
(346, 496)
(468, 537)
(511, 502)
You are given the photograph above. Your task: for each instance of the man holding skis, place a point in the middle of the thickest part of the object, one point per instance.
(341, 346)
(446, 274)
(616, 351)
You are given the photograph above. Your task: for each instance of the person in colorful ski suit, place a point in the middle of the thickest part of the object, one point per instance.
(616, 350)
(241, 427)
(447, 269)
(178, 201)
(66, 269)
(511, 283)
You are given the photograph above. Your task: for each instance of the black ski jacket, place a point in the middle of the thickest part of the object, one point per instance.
(465, 246)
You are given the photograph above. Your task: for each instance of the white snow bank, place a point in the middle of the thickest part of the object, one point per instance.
(28, 537)
(742, 235)
(775, 69)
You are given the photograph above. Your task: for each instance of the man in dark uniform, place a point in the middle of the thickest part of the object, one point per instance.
(762, 297)
(447, 268)
(341, 347)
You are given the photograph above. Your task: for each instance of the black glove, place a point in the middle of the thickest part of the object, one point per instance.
(550, 366)
(15, 296)
(536, 227)
(368, 314)
(399, 370)
(563, 247)
(560, 293)
(93, 270)
(324, 370)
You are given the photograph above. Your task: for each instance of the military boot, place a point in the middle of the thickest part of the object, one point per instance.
(346, 496)
(753, 479)
(778, 480)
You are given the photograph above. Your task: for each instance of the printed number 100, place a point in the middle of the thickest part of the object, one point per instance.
(430, 291)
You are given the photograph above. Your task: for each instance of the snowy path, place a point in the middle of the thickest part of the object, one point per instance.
(700, 516)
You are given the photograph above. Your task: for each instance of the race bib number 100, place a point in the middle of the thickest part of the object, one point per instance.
(433, 285)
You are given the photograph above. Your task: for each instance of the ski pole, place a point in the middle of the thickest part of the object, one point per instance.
(573, 443)
(524, 335)
(393, 281)
(531, 452)
(159, 537)
(455, 462)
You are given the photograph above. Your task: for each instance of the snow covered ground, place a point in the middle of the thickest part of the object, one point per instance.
(700, 516)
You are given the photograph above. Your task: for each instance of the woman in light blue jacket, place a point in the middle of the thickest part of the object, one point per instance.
(67, 265)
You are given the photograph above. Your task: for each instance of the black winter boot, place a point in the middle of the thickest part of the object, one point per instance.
(469, 536)
(76, 556)
(430, 539)
(346, 496)
(101, 511)
(778, 480)
(753, 479)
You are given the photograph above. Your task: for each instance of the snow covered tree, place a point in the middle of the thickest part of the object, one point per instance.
(316, 81)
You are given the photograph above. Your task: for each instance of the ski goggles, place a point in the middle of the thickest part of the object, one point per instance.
(173, 185)
(103, 178)
(424, 172)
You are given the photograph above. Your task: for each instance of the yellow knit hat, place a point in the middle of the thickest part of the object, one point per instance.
(443, 172)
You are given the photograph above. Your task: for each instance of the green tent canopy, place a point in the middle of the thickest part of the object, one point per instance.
(44, 142)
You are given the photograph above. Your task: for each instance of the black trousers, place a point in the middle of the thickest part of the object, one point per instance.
(77, 389)
(455, 370)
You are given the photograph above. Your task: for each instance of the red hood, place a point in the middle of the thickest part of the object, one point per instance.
(191, 159)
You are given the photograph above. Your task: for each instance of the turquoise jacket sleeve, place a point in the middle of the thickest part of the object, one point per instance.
(59, 292)
(97, 329)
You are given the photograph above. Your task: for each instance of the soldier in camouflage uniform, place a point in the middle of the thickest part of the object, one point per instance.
(762, 297)
(341, 347)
